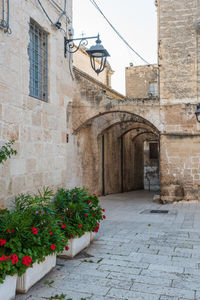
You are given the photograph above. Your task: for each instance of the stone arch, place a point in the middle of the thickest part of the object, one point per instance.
(98, 120)
(90, 100)
(145, 132)
(105, 165)
(125, 116)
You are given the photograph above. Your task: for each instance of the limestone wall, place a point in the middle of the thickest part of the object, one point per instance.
(39, 128)
(138, 80)
(179, 64)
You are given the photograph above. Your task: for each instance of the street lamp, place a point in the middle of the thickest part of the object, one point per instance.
(95, 52)
(197, 113)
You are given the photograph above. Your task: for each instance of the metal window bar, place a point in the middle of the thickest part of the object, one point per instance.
(153, 89)
(5, 16)
(38, 55)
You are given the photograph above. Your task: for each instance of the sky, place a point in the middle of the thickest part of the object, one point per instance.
(136, 20)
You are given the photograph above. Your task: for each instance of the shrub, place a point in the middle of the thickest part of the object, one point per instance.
(41, 225)
(30, 231)
(78, 211)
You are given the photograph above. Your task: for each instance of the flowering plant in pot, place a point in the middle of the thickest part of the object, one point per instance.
(43, 234)
(29, 233)
(13, 260)
(78, 211)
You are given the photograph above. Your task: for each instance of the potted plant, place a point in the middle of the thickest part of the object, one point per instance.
(8, 268)
(79, 213)
(33, 234)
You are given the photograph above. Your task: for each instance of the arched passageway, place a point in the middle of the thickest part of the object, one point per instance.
(116, 153)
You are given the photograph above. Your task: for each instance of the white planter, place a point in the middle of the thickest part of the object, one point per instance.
(32, 275)
(76, 245)
(8, 288)
(92, 236)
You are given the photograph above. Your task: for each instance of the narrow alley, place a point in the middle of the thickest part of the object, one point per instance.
(138, 254)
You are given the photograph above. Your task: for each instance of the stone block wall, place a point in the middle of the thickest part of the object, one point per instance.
(138, 80)
(179, 66)
(39, 128)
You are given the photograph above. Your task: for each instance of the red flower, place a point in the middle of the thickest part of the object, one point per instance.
(99, 195)
(2, 242)
(104, 216)
(14, 258)
(103, 210)
(63, 226)
(67, 248)
(3, 257)
(86, 215)
(96, 229)
(89, 201)
(53, 247)
(34, 230)
(26, 260)
(94, 194)
(71, 235)
(80, 225)
(9, 231)
(51, 233)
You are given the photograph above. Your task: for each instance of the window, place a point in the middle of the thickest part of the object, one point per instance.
(38, 55)
(153, 150)
(153, 89)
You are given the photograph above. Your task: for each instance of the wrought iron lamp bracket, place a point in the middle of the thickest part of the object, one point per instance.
(69, 44)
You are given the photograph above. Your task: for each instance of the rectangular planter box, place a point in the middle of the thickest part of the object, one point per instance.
(92, 236)
(76, 245)
(8, 288)
(32, 275)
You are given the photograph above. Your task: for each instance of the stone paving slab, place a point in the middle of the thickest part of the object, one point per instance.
(134, 256)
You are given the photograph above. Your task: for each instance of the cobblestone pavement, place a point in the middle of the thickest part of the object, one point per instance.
(136, 255)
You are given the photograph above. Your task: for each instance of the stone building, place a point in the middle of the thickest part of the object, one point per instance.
(110, 133)
(35, 92)
(179, 70)
(141, 81)
(36, 99)
(72, 129)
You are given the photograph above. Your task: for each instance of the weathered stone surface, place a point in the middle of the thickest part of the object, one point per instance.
(179, 93)
(36, 126)
(138, 80)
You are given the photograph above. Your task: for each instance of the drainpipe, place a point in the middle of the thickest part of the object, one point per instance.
(3, 10)
(8, 14)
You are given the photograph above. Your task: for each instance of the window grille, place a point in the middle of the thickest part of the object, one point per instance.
(153, 89)
(38, 55)
(5, 15)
